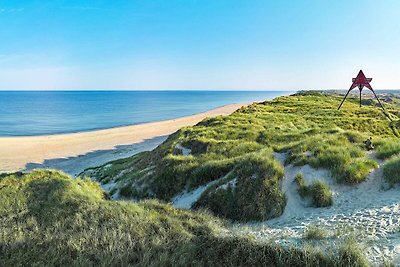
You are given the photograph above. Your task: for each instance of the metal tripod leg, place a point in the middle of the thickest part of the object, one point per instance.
(377, 99)
(345, 98)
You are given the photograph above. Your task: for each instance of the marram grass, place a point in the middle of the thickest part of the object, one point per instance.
(49, 219)
(391, 170)
(318, 191)
(307, 126)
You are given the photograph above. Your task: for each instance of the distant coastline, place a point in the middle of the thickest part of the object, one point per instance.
(28, 152)
(41, 113)
(73, 152)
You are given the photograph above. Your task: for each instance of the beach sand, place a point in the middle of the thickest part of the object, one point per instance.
(74, 152)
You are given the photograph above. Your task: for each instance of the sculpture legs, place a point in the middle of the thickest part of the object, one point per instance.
(345, 98)
(360, 98)
(377, 99)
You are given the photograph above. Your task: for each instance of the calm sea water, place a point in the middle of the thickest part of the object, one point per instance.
(51, 112)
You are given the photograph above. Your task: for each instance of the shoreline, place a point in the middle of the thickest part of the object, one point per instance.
(124, 125)
(27, 152)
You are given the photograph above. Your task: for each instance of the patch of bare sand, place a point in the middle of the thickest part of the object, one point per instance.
(366, 212)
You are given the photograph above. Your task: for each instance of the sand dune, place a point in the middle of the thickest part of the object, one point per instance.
(18, 152)
(368, 211)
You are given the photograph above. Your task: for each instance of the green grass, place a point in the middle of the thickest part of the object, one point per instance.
(320, 194)
(315, 233)
(257, 198)
(388, 148)
(391, 170)
(302, 188)
(341, 153)
(49, 219)
(351, 255)
(318, 191)
(307, 126)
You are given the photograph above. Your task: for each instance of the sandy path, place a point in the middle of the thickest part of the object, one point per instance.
(185, 200)
(18, 152)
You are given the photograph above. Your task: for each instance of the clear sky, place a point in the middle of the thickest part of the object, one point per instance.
(198, 44)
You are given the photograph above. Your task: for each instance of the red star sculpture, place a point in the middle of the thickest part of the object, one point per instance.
(360, 81)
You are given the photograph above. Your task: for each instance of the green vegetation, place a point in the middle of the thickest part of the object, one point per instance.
(351, 255)
(49, 219)
(256, 198)
(391, 170)
(299, 179)
(342, 153)
(387, 148)
(388, 263)
(320, 194)
(318, 191)
(307, 126)
(315, 233)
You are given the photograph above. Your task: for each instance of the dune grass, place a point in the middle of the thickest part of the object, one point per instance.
(307, 126)
(351, 254)
(257, 198)
(342, 153)
(391, 170)
(314, 232)
(302, 187)
(387, 148)
(49, 219)
(318, 191)
(320, 194)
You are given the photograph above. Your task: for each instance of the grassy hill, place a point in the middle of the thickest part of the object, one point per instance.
(49, 219)
(234, 155)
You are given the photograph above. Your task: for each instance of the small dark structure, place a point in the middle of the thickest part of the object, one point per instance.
(360, 81)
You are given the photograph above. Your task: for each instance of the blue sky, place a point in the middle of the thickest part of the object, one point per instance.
(198, 44)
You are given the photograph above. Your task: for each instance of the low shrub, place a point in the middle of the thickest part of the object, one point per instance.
(257, 194)
(126, 190)
(358, 170)
(388, 149)
(49, 219)
(299, 180)
(320, 194)
(338, 153)
(391, 170)
(350, 254)
(315, 233)
(318, 191)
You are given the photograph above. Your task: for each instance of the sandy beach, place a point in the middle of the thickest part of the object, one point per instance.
(77, 151)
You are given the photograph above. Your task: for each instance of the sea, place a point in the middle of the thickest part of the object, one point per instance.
(30, 113)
